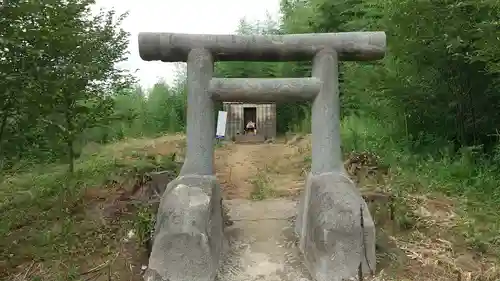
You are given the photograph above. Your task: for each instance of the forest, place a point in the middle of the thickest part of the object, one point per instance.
(430, 109)
(433, 98)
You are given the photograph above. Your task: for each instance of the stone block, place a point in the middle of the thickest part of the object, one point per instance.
(188, 237)
(331, 235)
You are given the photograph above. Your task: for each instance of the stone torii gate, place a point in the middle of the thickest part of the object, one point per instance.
(334, 226)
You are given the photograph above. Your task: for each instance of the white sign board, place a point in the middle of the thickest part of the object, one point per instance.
(221, 124)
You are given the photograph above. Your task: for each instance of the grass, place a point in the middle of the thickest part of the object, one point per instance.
(54, 223)
(452, 200)
(262, 187)
(472, 181)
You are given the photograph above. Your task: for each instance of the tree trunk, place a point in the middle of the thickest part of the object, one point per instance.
(71, 155)
(2, 129)
(3, 125)
(69, 136)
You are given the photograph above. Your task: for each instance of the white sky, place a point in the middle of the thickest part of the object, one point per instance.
(210, 16)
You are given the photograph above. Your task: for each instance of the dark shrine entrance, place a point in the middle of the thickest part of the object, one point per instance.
(249, 114)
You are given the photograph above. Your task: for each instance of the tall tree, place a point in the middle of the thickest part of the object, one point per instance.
(64, 65)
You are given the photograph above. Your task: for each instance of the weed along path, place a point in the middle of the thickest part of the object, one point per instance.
(260, 193)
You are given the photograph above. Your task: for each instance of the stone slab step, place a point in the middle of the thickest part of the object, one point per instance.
(243, 209)
(249, 138)
(262, 244)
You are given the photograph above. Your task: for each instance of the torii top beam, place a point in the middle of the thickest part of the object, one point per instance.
(175, 47)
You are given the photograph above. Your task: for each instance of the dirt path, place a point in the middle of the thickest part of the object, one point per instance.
(262, 244)
(241, 168)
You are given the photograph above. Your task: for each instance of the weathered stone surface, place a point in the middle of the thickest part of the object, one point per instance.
(262, 243)
(200, 121)
(175, 47)
(188, 237)
(329, 228)
(264, 89)
(325, 115)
